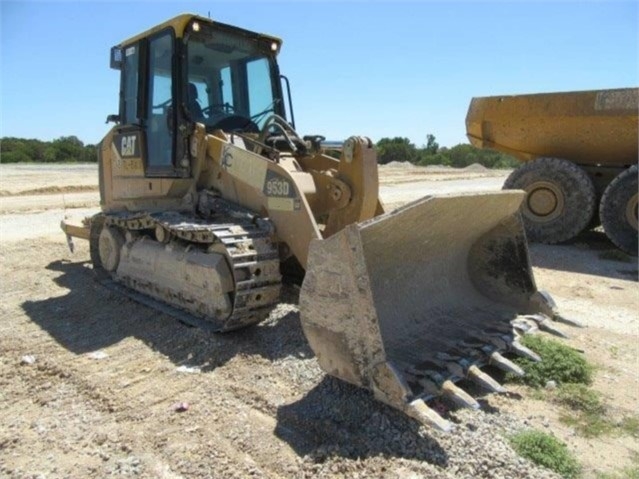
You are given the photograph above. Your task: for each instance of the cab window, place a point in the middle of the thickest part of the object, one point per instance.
(130, 84)
(160, 105)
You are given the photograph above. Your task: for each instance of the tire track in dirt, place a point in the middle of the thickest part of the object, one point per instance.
(236, 401)
(259, 407)
(104, 384)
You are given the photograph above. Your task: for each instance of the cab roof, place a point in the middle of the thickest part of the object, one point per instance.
(180, 22)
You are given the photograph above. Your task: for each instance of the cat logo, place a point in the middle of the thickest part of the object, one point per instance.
(127, 145)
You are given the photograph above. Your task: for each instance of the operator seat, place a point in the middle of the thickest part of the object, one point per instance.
(194, 107)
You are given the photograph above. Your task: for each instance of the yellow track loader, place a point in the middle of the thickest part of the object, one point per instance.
(210, 198)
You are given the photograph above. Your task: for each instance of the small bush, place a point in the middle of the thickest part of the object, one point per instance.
(547, 451)
(630, 425)
(579, 398)
(588, 414)
(559, 363)
(628, 472)
(625, 473)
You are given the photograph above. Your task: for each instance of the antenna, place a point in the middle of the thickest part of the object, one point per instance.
(209, 14)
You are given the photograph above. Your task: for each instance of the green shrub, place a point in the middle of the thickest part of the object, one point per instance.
(626, 473)
(547, 451)
(579, 398)
(630, 426)
(588, 414)
(559, 363)
(588, 425)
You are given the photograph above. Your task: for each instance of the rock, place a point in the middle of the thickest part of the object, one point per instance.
(97, 355)
(551, 385)
(28, 359)
(188, 369)
(181, 406)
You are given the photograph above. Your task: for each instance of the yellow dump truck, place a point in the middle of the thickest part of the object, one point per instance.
(580, 159)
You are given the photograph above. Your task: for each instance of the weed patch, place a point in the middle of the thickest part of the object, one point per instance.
(559, 363)
(588, 415)
(586, 412)
(630, 426)
(547, 451)
(579, 398)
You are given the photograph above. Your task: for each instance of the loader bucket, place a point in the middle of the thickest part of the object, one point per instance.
(410, 302)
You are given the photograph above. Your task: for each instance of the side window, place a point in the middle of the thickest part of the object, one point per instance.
(160, 104)
(260, 92)
(226, 86)
(131, 65)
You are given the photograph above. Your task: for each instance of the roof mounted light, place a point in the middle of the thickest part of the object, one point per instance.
(274, 46)
(196, 27)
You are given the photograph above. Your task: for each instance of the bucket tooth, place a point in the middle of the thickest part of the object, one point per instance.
(471, 351)
(504, 364)
(543, 323)
(537, 318)
(484, 380)
(524, 326)
(456, 368)
(499, 340)
(521, 350)
(547, 306)
(543, 302)
(458, 395)
(430, 386)
(418, 409)
(549, 328)
(570, 322)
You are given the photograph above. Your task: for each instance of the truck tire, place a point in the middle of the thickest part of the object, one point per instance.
(618, 211)
(560, 200)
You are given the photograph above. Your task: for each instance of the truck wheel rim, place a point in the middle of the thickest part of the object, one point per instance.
(631, 211)
(544, 201)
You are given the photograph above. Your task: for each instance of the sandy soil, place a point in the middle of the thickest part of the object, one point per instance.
(258, 404)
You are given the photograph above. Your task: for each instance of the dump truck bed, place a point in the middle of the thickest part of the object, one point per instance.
(597, 127)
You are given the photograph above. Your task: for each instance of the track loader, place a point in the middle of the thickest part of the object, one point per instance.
(210, 199)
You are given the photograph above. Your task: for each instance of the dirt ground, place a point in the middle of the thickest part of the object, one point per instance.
(91, 383)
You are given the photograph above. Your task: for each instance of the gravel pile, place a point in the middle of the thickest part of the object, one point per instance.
(476, 167)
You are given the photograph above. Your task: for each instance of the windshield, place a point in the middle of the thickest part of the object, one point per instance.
(230, 80)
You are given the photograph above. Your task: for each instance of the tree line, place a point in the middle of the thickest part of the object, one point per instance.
(66, 149)
(69, 149)
(458, 156)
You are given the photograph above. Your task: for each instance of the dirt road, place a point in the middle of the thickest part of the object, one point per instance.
(92, 384)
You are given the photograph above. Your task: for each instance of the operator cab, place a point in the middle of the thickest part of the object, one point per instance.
(192, 70)
(236, 78)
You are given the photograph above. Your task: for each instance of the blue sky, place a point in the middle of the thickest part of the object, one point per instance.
(367, 68)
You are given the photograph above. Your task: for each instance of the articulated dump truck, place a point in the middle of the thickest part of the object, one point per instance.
(580, 159)
(210, 199)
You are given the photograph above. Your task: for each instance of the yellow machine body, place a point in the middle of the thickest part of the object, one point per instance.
(204, 212)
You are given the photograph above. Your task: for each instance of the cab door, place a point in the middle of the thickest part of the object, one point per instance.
(124, 149)
(143, 153)
(160, 106)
